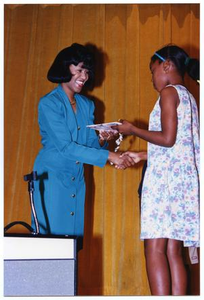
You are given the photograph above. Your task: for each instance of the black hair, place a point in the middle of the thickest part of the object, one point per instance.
(59, 71)
(181, 59)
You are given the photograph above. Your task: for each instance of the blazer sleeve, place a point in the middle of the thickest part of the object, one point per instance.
(53, 124)
(93, 140)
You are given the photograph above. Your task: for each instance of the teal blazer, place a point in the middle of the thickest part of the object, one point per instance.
(59, 193)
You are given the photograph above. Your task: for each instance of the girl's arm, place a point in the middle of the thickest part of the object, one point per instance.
(169, 102)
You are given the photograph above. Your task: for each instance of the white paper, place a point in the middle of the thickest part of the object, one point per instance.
(104, 126)
(193, 254)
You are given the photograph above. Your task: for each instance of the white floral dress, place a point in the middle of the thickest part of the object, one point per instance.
(170, 193)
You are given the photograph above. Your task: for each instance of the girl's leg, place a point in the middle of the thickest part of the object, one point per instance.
(177, 267)
(157, 266)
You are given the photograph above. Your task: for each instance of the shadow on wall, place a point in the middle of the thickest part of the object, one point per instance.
(101, 60)
(91, 256)
(91, 283)
(147, 11)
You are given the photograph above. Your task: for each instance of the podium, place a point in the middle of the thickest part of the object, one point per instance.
(40, 265)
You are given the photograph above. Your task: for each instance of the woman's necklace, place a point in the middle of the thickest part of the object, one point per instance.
(73, 102)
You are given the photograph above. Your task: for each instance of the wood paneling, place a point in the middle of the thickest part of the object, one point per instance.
(126, 36)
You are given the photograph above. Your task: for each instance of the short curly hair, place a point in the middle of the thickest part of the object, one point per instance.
(59, 71)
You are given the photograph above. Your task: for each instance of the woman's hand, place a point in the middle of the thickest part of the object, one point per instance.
(107, 136)
(136, 156)
(120, 162)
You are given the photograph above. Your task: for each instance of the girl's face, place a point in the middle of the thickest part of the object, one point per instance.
(159, 78)
(79, 78)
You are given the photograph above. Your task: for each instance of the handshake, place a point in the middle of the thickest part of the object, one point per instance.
(108, 131)
(126, 159)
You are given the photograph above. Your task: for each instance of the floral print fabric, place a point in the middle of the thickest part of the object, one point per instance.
(170, 194)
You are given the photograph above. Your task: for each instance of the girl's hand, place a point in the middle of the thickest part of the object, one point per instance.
(136, 156)
(125, 128)
(120, 162)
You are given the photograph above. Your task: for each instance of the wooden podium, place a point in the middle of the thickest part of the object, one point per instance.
(40, 265)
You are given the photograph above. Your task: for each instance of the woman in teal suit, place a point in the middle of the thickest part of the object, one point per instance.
(63, 114)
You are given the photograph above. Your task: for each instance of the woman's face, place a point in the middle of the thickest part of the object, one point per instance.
(79, 78)
(159, 79)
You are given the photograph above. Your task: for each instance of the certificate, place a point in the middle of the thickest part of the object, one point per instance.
(104, 126)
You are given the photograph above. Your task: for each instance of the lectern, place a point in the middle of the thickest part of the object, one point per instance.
(40, 265)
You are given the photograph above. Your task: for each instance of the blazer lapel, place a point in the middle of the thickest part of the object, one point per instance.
(71, 118)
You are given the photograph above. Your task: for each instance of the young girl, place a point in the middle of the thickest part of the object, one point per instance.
(170, 192)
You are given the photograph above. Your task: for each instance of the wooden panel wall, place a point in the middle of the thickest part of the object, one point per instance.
(126, 35)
